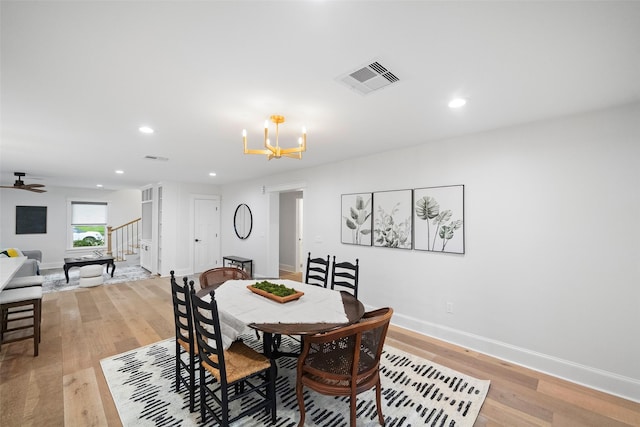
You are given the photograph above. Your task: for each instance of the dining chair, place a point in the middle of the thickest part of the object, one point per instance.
(237, 373)
(317, 271)
(345, 274)
(345, 361)
(219, 275)
(185, 340)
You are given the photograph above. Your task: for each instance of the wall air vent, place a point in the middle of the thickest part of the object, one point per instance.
(157, 158)
(368, 78)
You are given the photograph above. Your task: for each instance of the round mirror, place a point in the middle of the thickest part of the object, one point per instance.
(243, 221)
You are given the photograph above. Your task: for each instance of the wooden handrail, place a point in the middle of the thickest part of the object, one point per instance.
(124, 225)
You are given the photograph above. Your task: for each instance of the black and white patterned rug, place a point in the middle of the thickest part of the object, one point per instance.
(55, 281)
(415, 391)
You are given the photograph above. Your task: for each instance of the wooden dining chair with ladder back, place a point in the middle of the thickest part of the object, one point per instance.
(185, 339)
(317, 271)
(238, 373)
(345, 274)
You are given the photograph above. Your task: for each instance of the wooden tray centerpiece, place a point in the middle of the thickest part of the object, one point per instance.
(275, 292)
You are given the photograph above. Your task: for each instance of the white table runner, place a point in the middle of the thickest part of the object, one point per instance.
(238, 307)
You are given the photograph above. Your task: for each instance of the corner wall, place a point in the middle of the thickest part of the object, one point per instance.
(550, 275)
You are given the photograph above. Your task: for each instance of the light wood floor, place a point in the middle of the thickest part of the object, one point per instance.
(64, 385)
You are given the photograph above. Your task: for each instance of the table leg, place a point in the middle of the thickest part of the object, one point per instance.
(267, 344)
(66, 272)
(113, 268)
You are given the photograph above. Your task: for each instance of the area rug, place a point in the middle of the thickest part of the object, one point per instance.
(415, 391)
(55, 281)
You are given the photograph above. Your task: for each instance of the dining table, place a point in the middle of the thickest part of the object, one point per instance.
(317, 310)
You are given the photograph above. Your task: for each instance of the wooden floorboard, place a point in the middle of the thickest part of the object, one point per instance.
(64, 385)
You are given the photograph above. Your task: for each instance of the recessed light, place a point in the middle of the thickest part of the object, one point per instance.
(457, 102)
(119, 172)
(212, 174)
(145, 129)
(99, 185)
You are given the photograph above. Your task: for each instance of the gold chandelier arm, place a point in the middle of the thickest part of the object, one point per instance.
(297, 155)
(253, 151)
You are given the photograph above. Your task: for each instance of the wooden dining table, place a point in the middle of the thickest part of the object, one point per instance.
(271, 331)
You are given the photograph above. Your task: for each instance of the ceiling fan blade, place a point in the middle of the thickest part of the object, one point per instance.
(36, 190)
(33, 185)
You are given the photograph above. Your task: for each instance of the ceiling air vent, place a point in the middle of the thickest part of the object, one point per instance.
(369, 78)
(157, 158)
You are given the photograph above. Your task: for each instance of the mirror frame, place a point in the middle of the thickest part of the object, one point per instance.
(236, 220)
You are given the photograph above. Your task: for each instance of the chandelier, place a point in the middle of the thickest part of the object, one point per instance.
(276, 151)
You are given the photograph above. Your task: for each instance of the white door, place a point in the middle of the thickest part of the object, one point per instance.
(206, 245)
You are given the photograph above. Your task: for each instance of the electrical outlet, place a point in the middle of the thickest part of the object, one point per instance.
(450, 307)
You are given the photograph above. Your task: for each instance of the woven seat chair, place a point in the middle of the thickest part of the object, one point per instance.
(238, 373)
(345, 274)
(317, 271)
(344, 362)
(219, 275)
(185, 340)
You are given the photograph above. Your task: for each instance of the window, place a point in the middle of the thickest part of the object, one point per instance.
(88, 224)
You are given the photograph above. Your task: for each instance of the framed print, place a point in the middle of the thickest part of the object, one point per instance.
(438, 218)
(31, 220)
(356, 219)
(392, 219)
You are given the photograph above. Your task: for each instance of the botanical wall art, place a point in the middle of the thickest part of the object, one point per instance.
(392, 219)
(356, 219)
(439, 219)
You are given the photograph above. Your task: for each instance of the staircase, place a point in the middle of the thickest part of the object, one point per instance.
(123, 242)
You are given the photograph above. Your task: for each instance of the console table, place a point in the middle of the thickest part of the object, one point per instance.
(236, 261)
(79, 262)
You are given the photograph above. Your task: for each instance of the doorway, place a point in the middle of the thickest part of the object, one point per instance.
(290, 236)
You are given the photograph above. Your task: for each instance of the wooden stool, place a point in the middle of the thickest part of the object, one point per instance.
(21, 298)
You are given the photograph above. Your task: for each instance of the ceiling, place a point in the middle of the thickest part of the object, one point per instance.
(79, 78)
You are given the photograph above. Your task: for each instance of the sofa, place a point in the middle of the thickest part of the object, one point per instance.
(31, 266)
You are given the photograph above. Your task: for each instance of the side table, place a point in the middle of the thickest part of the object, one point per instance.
(236, 261)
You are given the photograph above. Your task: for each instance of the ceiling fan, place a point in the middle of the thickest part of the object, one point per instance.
(20, 185)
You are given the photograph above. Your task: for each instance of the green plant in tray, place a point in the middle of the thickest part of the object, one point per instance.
(274, 288)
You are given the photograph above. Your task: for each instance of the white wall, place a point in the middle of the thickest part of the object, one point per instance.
(124, 206)
(551, 275)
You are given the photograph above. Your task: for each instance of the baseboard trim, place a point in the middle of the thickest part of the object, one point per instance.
(598, 379)
(287, 267)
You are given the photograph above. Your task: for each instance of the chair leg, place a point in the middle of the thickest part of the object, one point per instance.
(177, 366)
(36, 325)
(379, 403)
(192, 382)
(203, 401)
(300, 402)
(352, 408)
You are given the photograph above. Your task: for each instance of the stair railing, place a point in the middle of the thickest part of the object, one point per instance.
(124, 239)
